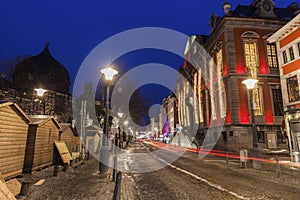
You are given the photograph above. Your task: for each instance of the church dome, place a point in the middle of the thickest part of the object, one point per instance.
(41, 71)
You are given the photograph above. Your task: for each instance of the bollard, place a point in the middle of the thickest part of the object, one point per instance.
(65, 167)
(72, 163)
(25, 188)
(114, 168)
(117, 190)
(56, 170)
(227, 160)
(278, 172)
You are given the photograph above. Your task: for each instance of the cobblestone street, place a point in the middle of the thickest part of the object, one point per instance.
(82, 182)
(187, 178)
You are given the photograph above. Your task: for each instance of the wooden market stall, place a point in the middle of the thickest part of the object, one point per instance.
(13, 137)
(69, 135)
(42, 133)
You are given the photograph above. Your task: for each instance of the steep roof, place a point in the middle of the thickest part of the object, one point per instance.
(40, 120)
(22, 113)
(42, 70)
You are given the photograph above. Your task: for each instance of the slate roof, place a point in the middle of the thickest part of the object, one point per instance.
(250, 11)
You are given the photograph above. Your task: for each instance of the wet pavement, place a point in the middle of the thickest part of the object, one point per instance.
(152, 173)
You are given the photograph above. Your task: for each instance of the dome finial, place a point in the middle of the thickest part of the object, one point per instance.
(47, 43)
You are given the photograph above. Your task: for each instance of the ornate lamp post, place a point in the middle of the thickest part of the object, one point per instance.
(104, 157)
(250, 84)
(40, 93)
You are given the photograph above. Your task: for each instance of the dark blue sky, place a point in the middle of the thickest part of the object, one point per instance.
(74, 28)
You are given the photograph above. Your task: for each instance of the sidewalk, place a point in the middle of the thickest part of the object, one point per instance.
(82, 182)
(284, 171)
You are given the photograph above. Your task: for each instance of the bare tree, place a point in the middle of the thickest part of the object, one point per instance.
(7, 66)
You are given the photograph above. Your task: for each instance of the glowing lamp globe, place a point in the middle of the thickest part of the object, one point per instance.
(250, 83)
(109, 73)
(40, 91)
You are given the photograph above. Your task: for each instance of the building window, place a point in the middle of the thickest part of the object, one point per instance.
(298, 48)
(272, 56)
(220, 61)
(257, 101)
(291, 51)
(231, 133)
(261, 136)
(224, 135)
(221, 88)
(251, 60)
(196, 96)
(280, 138)
(277, 102)
(293, 89)
(212, 90)
(284, 56)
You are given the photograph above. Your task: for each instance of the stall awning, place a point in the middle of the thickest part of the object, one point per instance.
(63, 152)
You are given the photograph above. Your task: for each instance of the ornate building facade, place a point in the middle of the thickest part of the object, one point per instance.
(40, 71)
(238, 49)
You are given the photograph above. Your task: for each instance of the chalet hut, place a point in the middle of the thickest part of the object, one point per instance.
(69, 135)
(13, 136)
(93, 138)
(42, 133)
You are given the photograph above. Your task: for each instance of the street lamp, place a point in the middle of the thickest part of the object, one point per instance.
(40, 93)
(104, 157)
(250, 84)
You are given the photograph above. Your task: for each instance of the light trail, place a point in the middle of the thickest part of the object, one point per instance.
(217, 153)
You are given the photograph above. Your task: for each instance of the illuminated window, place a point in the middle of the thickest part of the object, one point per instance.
(291, 51)
(257, 101)
(220, 61)
(200, 96)
(284, 56)
(293, 89)
(212, 89)
(196, 96)
(251, 60)
(272, 56)
(220, 83)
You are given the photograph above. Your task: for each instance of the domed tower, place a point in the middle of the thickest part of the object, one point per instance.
(42, 71)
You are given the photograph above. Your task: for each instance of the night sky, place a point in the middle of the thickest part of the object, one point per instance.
(74, 28)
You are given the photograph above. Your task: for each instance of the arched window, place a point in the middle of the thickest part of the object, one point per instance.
(250, 51)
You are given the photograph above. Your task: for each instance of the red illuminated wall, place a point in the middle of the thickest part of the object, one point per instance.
(243, 97)
(228, 117)
(268, 113)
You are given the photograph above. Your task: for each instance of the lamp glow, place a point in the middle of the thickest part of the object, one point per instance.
(250, 83)
(120, 114)
(40, 91)
(109, 73)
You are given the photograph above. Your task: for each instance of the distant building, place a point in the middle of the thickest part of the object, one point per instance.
(288, 47)
(238, 50)
(41, 71)
(170, 104)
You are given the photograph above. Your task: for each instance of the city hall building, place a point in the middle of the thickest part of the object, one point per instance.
(238, 49)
